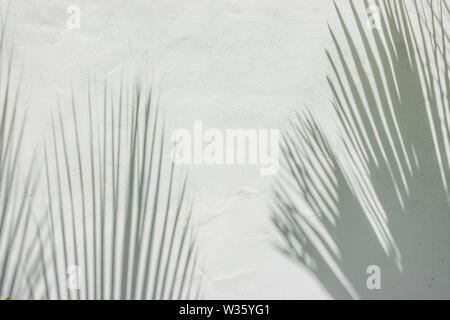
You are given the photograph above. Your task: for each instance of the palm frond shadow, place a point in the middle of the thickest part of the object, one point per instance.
(380, 196)
(17, 187)
(119, 216)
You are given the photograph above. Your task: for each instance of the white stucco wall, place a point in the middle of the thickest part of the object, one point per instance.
(229, 63)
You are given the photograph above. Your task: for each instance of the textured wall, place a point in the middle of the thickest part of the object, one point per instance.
(230, 64)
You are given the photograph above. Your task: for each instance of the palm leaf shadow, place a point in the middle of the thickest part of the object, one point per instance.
(119, 219)
(381, 196)
(17, 187)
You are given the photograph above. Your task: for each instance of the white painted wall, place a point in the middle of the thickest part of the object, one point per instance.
(230, 64)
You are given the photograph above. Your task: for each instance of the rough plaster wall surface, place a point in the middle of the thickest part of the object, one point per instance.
(231, 64)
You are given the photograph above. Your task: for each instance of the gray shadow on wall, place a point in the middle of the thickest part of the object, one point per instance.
(379, 198)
